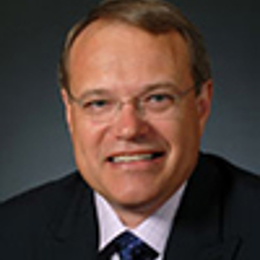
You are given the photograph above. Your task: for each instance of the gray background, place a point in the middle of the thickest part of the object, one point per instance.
(35, 145)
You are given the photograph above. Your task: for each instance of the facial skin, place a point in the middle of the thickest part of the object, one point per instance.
(124, 60)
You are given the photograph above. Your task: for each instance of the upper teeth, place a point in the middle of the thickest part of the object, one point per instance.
(131, 158)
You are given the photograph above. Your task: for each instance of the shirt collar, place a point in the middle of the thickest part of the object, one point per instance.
(154, 230)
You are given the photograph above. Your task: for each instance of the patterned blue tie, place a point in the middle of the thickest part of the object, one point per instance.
(131, 247)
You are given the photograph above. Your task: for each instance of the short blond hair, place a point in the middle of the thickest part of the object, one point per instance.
(155, 17)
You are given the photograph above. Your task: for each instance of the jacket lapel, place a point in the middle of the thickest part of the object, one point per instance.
(198, 228)
(72, 233)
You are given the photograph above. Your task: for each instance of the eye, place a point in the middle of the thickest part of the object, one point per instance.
(95, 103)
(95, 106)
(160, 98)
(159, 101)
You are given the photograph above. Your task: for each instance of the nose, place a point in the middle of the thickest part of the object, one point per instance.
(128, 124)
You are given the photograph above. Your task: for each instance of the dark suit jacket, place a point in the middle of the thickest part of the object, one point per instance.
(219, 219)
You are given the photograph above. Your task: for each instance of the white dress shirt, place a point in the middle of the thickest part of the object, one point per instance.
(154, 230)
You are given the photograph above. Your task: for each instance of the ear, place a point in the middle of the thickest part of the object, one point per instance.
(68, 108)
(204, 101)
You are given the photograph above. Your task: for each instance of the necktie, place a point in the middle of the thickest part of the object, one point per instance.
(129, 247)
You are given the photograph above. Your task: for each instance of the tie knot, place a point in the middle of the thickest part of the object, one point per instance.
(131, 247)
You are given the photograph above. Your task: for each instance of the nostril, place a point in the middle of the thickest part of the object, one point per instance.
(129, 125)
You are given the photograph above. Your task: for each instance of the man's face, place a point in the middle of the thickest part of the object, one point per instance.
(135, 162)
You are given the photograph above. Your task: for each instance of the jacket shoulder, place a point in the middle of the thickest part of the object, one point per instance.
(26, 215)
(240, 196)
(239, 180)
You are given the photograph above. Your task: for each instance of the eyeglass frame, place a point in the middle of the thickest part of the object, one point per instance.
(137, 102)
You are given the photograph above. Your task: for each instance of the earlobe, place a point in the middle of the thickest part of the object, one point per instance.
(204, 101)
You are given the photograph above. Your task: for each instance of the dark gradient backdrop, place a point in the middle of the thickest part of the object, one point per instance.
(35, 146)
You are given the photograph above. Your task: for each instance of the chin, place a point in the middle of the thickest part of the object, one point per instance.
(136, 199)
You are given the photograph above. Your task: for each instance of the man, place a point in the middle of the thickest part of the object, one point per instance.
(136, 84)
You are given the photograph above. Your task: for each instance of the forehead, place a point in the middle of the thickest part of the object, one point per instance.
(105, 49)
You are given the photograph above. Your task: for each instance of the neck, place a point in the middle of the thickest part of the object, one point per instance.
(131, 219)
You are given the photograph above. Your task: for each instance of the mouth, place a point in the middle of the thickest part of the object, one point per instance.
(135, 157)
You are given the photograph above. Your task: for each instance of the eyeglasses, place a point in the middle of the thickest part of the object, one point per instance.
(158, 103)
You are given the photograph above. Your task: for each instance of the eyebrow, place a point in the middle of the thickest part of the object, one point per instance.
(94, 92)
(160, 85)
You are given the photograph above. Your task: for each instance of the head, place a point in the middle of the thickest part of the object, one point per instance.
(146, 60)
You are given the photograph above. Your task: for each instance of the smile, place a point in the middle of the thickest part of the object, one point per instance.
(134, 157)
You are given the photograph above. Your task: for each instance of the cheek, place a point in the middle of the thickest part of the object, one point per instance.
(174, 131)
(87, 138)
(181, 134)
